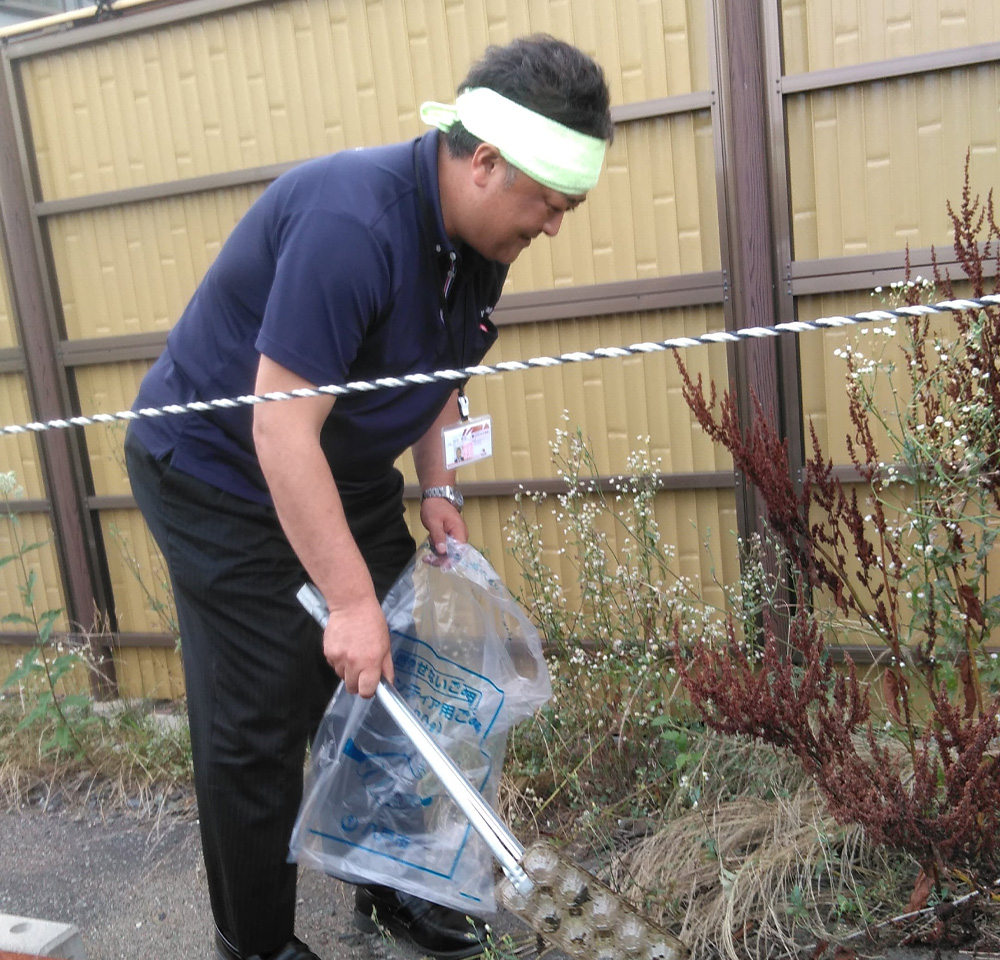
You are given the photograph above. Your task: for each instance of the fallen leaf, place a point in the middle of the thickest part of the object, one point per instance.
(921, 892)
(744, 931)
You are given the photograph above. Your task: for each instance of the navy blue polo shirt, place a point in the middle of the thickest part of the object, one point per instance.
(335, 273)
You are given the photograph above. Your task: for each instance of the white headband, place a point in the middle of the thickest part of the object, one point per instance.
(555, 155)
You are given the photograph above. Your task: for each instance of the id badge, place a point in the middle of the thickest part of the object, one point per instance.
(467, 441)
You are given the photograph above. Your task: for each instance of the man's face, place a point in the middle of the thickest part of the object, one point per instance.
(515, 210)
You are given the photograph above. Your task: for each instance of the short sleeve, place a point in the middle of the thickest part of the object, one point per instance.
(331, 281)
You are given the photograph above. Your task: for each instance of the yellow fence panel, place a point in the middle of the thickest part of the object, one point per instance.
(152, 673)
(281, 82)
(697, 526)
(620, 406)
(872, 166)
(821, 34)
(824, 391)
(27, 529)
(139, 580)
(109, 389)
(132, 268)
(10, 658)
(653, 214)
(138, 575)
(8, 331)
(617, 403)
(19, 453)
(75, 682)
(143, 604)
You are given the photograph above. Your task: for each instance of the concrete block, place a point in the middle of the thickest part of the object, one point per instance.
(40, 938)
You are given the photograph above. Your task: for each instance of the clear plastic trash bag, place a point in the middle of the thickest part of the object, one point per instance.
(469, 662)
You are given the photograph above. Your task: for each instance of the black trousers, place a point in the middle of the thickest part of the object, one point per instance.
(257, 682)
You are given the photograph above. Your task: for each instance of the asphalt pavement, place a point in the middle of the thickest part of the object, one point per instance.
(135, 887)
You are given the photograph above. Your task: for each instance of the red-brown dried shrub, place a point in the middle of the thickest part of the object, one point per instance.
(914, 576)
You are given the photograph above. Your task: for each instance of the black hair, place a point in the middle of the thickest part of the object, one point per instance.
(546, 75)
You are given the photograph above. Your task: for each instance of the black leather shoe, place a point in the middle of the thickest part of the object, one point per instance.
(295, 949)
(224, 950)
(433, 929)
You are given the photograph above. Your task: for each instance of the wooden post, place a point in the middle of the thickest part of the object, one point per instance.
(760, 369)
(62, 462)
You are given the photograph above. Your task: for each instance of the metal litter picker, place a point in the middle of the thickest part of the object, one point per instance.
(556, 897)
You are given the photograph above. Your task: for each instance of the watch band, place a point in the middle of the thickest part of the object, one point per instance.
(452, 494)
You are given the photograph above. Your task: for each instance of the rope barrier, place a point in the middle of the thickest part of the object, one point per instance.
(509, 366)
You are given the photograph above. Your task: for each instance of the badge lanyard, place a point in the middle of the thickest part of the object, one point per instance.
(470, 439)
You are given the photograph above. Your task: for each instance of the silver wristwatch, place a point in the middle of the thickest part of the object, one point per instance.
(452, 494)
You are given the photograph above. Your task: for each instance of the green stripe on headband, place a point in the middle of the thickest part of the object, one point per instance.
(555, 155)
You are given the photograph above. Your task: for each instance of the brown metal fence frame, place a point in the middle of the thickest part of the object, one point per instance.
(757, 285)
(63, 466)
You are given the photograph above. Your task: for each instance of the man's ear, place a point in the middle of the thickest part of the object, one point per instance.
(486, 163)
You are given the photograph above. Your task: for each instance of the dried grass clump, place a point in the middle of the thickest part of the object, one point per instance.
(132, 761)
(751, 877)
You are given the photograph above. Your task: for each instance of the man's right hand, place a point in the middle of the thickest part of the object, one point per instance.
(356, 645)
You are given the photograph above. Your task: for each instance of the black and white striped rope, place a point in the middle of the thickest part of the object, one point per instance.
(508, 366)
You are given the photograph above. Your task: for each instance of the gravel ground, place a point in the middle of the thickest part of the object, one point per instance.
(136, 888)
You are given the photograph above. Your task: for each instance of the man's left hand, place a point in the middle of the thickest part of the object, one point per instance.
(442, 520)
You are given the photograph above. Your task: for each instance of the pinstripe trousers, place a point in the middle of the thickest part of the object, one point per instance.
(256, 680)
